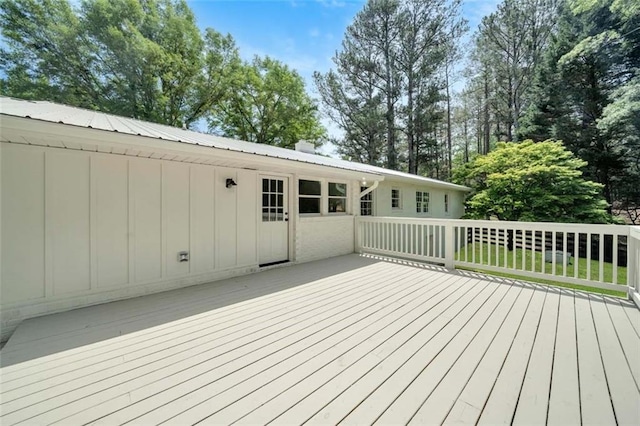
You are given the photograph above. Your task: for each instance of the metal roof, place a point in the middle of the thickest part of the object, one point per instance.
(73, 116)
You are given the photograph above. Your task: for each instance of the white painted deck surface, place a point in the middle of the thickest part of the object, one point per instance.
(352, 340)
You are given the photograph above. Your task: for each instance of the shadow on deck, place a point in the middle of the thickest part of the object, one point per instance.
(354, 339)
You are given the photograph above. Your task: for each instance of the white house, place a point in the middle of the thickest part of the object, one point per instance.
(96, 207)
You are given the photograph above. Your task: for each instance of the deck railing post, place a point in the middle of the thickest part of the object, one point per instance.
(357, 234)
(633, 273)
(449, 245)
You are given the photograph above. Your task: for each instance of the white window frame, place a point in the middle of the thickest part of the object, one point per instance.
(328, 197)
(367, 200)
(324, 196)
(422, 206)
(399, 198)
(319, 197)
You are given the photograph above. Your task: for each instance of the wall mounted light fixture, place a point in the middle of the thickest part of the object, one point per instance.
(230, 183)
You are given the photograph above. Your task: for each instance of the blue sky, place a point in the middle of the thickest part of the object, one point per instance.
(304, 34)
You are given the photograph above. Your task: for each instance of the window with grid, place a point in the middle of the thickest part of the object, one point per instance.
(272, 200)
(396, 200)
(446, 203)
(366, 203)
(309, 195)
(337, 197)
(422, 202)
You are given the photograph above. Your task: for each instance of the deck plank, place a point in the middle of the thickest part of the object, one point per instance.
(344, 394)
(564, 400)
(625, 395)
(627, 336)
(229, 405)
(143, 343)
(159, 364)
(352, 340)
(534, 396)
(499, 407)
(240, 366)
(178, 307)
(171, 345)
(383, 396)
(300, 402)
(595, 402)
(500, 373)
(234, 374)
(490, 344)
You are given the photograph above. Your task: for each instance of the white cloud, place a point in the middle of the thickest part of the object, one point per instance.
(332, 3)
(314, 32)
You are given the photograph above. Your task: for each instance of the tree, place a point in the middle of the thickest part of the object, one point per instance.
(388, 82)
(592, 58)
(267, 104)
(351, 98)
(141, 59)
(532, 182)
(428, 35)
(508, 48)
(620, 122)
(377, 25)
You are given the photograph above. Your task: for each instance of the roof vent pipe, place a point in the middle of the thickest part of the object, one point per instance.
(304, 146)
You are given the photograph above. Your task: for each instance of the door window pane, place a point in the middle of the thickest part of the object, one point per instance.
(272, 200)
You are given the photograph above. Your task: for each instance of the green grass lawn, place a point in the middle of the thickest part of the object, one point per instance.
(530, 256)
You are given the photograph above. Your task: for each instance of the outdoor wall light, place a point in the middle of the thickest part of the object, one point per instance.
(230, 183)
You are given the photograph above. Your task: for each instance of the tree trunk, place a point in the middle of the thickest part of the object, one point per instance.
(413, 168)
(449, 148)
(487, 130)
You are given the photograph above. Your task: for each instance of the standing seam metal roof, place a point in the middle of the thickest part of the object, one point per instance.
(69, 115)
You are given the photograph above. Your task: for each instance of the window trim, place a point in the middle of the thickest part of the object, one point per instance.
(367, 199)
(422, 201)
(447, 201)
(399, 198)
(346, 197)
(323, 197)
(319, 197)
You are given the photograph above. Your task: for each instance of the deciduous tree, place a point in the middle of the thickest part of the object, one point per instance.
(530, 181)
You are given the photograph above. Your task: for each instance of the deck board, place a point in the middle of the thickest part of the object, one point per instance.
(352, 340)
(564, 399)
(595, 401)
(533, 401)
(625, 395)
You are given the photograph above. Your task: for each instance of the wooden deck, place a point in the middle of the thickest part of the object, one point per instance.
(352, 340)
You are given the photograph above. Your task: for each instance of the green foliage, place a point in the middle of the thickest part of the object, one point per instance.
(387, 84)
(532, 182)
(584, 94)
(267, 104)
(148, 59)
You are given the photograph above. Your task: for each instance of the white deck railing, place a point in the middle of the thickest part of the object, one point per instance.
(633, 273)
(602, 256)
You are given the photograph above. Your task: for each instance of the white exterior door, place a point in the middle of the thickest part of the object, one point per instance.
(274, 222)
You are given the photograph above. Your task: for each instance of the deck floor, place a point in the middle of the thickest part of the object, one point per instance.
(351, 340)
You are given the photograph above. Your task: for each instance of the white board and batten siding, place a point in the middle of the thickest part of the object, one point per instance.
(84, 227)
